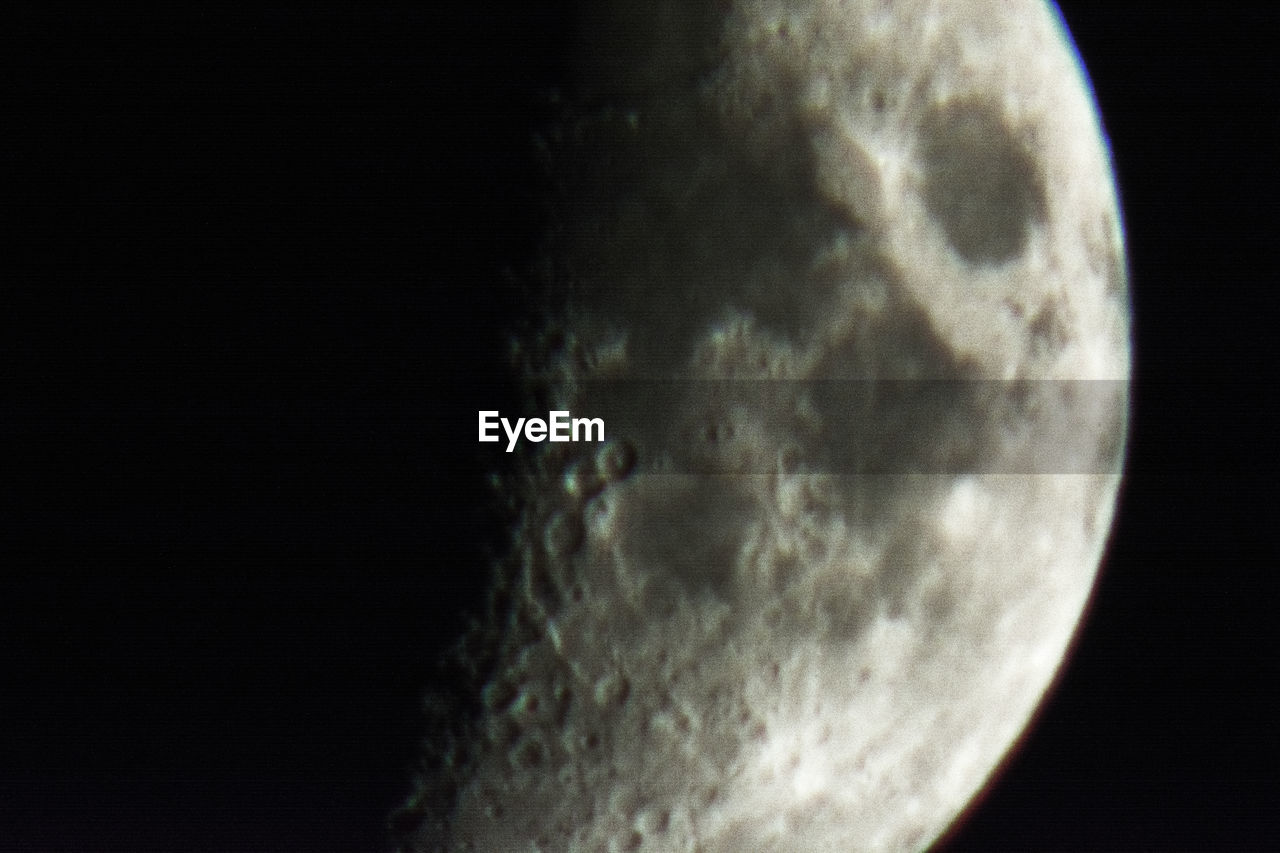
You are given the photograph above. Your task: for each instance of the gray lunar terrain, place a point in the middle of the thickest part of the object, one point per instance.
(845, 282)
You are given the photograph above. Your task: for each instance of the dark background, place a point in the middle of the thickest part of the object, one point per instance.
(254, 277)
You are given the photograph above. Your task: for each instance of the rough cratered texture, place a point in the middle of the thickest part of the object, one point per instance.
(844, 282)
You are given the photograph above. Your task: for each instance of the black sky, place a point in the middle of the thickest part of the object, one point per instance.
(253, 266)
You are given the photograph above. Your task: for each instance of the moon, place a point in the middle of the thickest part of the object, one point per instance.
(845, 281)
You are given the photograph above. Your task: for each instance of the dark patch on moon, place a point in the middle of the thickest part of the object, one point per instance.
(689, 538)
(981, 185)
(845, 608)
(904, 562)
(1048, 331)
(677, 221)
(627, 48)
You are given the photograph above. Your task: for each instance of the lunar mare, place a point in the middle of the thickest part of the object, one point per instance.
(846, 282)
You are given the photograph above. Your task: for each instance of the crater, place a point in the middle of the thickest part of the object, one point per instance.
(981, 184)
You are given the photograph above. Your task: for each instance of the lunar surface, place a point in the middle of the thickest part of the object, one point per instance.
(845, 281)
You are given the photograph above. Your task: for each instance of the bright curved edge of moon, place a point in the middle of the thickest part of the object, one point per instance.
(1086, 80)
(815, 586)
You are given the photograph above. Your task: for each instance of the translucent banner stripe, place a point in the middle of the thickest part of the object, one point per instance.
(860, 426)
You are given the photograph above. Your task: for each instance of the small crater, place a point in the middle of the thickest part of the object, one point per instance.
(612, 690)
(1048, 332)
(530, 754)
(499, 694)
(717, 432)
(564, 534)
(632, 842)
(529, 702)
(581, 480)
(616, 460)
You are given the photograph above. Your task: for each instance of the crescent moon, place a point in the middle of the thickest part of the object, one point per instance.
(845, 280)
